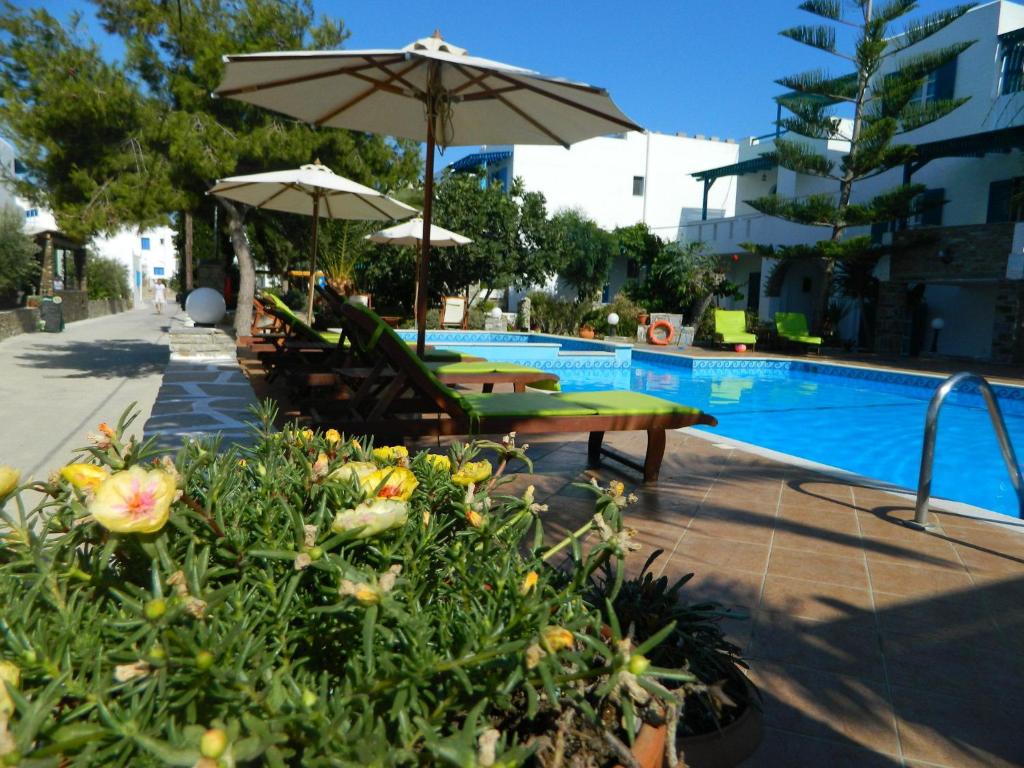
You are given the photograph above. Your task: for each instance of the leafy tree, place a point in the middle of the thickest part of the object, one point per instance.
(107, 278)
(637, 243)
(175, 49)
(509, 229)
(18, 264)
(586, 250)
(882, 108)
(685, 279)
(80, 127)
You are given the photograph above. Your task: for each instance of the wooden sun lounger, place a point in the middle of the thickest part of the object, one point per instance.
(403, 398)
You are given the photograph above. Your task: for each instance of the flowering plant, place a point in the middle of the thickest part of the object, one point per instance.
(310, 601)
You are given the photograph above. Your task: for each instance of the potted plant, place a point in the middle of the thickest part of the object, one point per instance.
(586, 331)
(642, 317)
(315, 600)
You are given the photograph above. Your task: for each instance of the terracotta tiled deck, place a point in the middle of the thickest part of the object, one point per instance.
(873, 645)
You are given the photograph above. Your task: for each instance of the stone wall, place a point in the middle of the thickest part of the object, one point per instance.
(17, 321)
(76, 307)
(949, 254)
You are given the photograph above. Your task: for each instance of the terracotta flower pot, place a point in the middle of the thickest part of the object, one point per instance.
(726, 748)
(586, 332)
(642, 318)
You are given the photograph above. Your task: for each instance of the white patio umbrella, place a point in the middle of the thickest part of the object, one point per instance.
(429, 91)
(411, 233)
(312, 190)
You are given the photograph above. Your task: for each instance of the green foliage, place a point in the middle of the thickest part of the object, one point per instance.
(683, 279)
(18, 265)
(388, 273)
(253, 618)
(86, 152)
(550, 314)
(106, 278)
(586, 253)
(624, 307)
(511, 245)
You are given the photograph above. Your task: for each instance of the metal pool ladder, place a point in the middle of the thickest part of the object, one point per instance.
(931, 427)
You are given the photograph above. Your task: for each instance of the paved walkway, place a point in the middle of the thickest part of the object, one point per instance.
(56, 387)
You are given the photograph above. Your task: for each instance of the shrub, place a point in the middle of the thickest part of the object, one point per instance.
(553, 315)
(18, 265)
(313, 601)
(107, 278)
(621, 305)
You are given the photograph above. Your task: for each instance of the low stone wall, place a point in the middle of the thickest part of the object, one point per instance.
(17, 321)
(76, 307)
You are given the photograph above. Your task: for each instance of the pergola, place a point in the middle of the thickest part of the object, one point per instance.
(55, 247)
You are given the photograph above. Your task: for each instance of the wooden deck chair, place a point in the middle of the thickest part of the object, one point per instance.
(405, 398)
(453, 312)
(444, 363)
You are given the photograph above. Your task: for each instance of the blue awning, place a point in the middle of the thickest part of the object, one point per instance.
(478, 159)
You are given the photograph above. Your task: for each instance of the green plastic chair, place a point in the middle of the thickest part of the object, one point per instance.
(792, 326)
(731, 327)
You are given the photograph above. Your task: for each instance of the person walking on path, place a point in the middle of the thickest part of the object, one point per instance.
(159, 296)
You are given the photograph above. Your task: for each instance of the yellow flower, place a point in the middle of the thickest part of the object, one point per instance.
(616, 488)
(332, 436)
(475, 518)
(398, 483)
(107, 430)
(242, 463)
(10, 674)
(439, 462)
(391, 452)
(365, 594)
(134, 500)
(373, 517)
(472, 472)
(556, 638)
(306, 434)
(85, 477)
(353, 470)
(9, 477)
(529, 583)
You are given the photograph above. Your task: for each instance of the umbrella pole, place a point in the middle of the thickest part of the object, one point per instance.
(421, 274)
(312, 259)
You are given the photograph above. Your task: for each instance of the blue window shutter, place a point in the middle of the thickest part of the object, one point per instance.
(945, 80)
(145, 243)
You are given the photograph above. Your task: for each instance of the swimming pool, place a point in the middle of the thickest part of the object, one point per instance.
(866, 421)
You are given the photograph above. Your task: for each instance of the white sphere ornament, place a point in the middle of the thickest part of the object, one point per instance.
(496, 312)
(205, 306)
(938, 323)
(613, 319)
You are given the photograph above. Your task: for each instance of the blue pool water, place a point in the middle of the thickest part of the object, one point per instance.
(865, 421)
(870, 426)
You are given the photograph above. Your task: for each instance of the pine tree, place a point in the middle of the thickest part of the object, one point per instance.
(882, 106)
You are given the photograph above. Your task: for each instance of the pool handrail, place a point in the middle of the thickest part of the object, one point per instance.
(931, 427)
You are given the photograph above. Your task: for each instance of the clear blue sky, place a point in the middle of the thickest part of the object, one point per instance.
(699, 66)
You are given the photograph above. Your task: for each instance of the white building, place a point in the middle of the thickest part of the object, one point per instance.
(148, 255)
(962, 255)
(618, 180)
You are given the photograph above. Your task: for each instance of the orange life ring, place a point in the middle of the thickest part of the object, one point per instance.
(660, 325)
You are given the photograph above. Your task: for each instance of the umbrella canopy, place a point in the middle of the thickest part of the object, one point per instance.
(411, 233)
(429, 91)
(312, 190)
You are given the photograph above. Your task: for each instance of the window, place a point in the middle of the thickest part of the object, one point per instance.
(638, 186)
(161, 241)
(158, 271)
(940, 85)
(145, 243)
(754, 291)
(1006, 200)
(1011, 62)
(930, 202)
(31, 213)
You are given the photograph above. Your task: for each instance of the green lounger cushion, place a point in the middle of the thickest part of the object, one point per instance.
(731, 327)
(792, 326)
(298, 323)
(487, 367)
(442, 355)
(612, 403)
(521, 405)
(620, 403)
